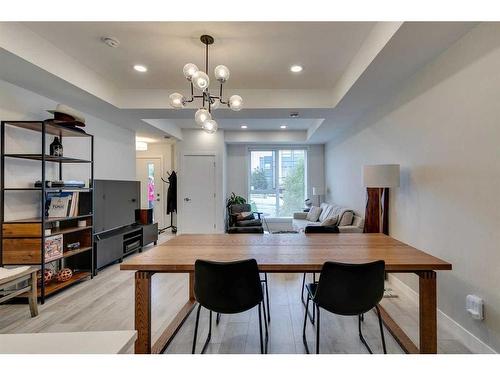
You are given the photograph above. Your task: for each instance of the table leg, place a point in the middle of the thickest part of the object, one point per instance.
(428, 312)
(143, 312)
(191, 286)
(33, 301)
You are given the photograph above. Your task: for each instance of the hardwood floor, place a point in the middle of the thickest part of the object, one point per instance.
(107, 303)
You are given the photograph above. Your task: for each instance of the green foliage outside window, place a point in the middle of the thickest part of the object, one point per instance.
(293, 190)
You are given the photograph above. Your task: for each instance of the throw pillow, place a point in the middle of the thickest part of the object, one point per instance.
(313, 214)
(346, 219)
(244, 216)
(329, 222)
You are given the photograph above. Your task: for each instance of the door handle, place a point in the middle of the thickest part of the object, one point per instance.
(187, 199)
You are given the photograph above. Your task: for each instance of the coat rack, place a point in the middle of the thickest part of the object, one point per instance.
(169, 192)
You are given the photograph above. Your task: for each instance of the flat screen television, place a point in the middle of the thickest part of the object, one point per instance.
(115, 202)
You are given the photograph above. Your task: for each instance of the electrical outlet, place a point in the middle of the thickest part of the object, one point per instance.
(475, 306)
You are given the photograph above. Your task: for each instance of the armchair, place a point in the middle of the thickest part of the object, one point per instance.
(253, 225)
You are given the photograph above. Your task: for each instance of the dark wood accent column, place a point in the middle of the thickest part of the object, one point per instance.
(372, 224)
(385, 215)
(428, 312)
(143, 312)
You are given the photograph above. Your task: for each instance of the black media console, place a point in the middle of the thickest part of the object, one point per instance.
(116, 233)
(114, 245)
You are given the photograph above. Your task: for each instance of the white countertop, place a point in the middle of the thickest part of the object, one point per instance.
(97, 342)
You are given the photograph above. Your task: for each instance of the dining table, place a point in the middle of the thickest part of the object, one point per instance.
(284, 253)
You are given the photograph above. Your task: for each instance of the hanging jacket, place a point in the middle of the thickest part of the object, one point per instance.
(172, 193)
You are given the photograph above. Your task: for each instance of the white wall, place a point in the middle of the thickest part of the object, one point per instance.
(196, 141)
(443, 128)
(114, 148)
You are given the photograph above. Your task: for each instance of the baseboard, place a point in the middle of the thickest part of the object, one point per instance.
(473, 343)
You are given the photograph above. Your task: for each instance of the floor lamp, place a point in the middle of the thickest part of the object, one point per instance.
(378, 179)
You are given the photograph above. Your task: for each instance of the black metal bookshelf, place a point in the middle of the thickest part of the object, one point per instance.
(31, 231)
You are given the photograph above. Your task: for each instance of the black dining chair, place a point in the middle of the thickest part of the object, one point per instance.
(347, 289)
(309, 230)
(228, 288)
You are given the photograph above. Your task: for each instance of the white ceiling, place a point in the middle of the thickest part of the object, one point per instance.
(258, 54)
(254, 124)
(66, 69)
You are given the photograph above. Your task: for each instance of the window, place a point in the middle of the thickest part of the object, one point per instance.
(277, 181)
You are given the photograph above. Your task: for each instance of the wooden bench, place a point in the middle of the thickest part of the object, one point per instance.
(17, 278)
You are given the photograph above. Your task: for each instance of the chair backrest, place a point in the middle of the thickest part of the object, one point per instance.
(238, 208)
(350, 289)
(227, 287)
(235, 209)
(321, 229)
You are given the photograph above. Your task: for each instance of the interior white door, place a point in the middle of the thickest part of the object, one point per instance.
(149, 172)
(198, 197)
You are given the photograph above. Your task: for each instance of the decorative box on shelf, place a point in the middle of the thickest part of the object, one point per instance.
(53, 247)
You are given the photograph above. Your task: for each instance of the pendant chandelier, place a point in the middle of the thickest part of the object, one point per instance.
(200, 81)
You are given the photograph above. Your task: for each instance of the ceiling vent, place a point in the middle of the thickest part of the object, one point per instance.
(110, 41)
(294, 114)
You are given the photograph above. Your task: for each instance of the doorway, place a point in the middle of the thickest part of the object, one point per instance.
(149, 171)
(198, 199)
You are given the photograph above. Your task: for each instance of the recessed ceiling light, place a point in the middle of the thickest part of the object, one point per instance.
(140, 68)
(296, 68)
(283, 126)
(244, 126)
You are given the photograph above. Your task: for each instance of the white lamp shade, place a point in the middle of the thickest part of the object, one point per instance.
(177, 100)
(221, 73)
(189, 70)
(235, 102)
(318, 190)
(201, 116)
(381, 176)
(210, 126)
(200, 80)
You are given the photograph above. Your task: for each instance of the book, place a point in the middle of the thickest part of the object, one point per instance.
(58, 204)
(74, 204)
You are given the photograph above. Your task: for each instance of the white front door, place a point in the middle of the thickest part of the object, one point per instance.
(198, 197)
(149, 172)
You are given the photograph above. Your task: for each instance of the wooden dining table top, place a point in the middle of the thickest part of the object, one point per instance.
(284, 252)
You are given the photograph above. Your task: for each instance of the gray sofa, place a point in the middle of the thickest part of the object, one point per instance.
(331, 214)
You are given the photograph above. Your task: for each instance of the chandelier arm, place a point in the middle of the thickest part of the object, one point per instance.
(190, 100)
(221, 95)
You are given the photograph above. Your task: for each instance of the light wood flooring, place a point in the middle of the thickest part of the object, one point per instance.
(107, 303)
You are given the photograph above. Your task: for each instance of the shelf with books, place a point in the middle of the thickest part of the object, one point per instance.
(27, 241)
